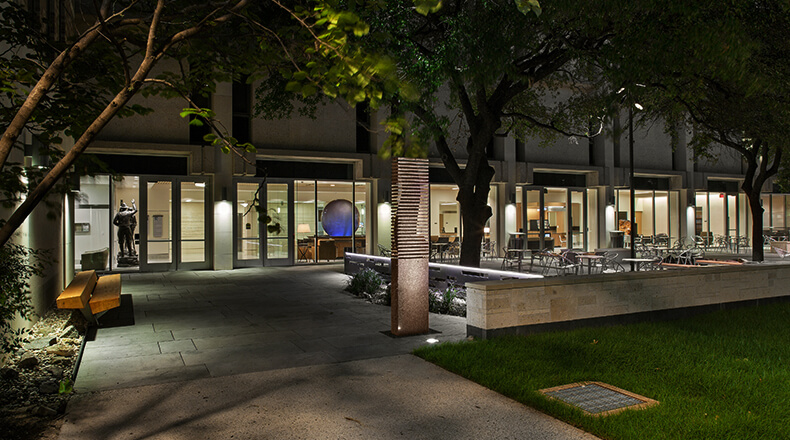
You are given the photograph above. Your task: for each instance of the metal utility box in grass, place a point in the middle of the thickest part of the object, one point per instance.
(410, 246)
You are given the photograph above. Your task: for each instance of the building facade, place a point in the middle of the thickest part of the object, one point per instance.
(195, 202)
(323, 183)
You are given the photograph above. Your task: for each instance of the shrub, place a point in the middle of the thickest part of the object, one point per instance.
(366, 283)
(19, 264)
(451, 301)
(384, 297)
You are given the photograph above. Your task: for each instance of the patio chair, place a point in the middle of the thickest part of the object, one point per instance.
(510, 259)
(611, 265)
(562, 239)
(744, 243)
(564, 264)
(453, 249)
(653, 265)
(780, 250)
(487, 250)
(719, 243)
(662, 240)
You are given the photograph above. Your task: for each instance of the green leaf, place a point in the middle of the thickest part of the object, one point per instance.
(527, 6)
(188, 112)
(196, 122)
(361, 29)
(248, 147)
(66, 387)
(293, 86)
(426, 7)
(287, 74)
(274, 229)
(409, 92)
(309, 90)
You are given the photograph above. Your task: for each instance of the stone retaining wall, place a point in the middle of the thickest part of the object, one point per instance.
(529, 306)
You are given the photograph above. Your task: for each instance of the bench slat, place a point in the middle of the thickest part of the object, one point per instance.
(106, 294)
(78, 292)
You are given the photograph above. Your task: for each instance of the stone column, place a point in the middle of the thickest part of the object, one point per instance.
(410, 246)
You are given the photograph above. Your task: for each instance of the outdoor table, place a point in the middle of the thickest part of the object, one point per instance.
(439, 249)
(638, 261)
(519, 253)
(590, 258)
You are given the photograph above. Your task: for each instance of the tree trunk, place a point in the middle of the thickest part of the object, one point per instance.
(152, 55)
(474, 214)
(758, 254)
(40, 90)
(59, 170)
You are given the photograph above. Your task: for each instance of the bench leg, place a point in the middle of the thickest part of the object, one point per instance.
(89, 316)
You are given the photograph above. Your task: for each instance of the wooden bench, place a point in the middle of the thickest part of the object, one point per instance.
(91, 294)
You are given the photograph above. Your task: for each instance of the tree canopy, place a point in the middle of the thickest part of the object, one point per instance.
(720, 69)
(484, 68)
(74, 87)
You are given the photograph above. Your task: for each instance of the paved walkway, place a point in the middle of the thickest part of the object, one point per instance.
(189, 325)
(277, 353)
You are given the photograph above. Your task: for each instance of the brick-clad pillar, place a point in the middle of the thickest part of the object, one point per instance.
(410, 246)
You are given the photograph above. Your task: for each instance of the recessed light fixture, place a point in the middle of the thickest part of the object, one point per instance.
(432, 340)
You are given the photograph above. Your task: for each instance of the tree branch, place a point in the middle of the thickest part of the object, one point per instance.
(111, 38)
(446, 153)
(549, 125)
(466, 103)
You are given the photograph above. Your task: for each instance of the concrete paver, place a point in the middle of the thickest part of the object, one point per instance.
(384, 398)
(277, 353)
(243, 317)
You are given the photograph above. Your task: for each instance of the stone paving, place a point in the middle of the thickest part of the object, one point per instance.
(190, 325)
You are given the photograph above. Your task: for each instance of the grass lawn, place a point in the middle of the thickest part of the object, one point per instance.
(724, 375)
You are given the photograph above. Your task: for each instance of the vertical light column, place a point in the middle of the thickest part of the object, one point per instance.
(410, 246)
(223, 235)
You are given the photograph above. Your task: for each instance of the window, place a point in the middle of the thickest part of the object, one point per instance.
(242, 103)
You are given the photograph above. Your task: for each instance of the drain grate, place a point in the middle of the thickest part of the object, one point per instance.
(598, 398)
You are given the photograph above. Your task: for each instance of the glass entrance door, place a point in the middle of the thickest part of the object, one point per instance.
(191, 232)
(173, 235)
(156, 224)
(279, 243)
(246, 227)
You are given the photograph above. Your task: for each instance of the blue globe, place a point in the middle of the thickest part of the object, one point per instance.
(340, 218)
